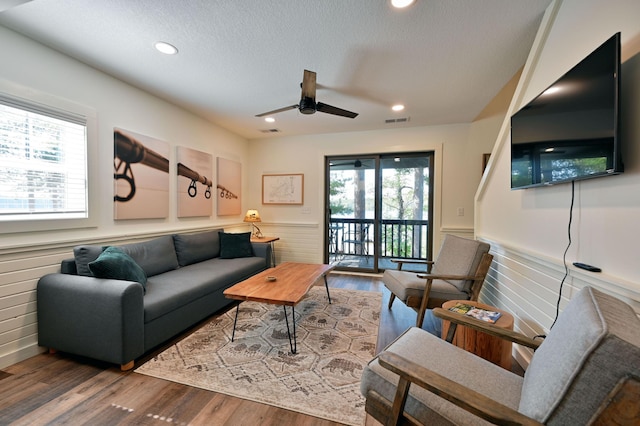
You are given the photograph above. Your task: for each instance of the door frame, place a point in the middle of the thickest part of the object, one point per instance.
(376, 223)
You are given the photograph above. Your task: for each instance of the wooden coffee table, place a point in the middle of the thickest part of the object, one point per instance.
(293, 281)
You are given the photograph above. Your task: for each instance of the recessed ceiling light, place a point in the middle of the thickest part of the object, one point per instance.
(399, 4)
(166, 48)
(270, 120)
(398, 107)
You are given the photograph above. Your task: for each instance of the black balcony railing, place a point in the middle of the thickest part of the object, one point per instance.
(397, 238)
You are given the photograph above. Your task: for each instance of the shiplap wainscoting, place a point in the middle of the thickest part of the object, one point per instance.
(527, 284)
(299, 242)
(21, 268)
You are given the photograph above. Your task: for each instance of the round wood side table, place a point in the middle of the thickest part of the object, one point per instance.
(491, 348)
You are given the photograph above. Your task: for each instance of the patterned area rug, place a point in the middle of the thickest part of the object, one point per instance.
(335, 341)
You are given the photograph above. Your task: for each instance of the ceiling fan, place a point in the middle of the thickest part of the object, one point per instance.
(308, 104)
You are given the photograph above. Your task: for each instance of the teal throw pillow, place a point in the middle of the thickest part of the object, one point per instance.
(115, 264)
(235, 245)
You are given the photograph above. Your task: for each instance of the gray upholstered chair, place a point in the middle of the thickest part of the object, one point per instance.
(586, 371)
(457, 274)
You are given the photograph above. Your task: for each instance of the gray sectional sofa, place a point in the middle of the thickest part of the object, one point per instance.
(147, 295)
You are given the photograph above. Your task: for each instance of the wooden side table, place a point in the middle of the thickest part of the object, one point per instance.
(491, 348)
(269, 240)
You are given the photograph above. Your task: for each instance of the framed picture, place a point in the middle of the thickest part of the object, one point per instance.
(141, 176)
(229, 187)
(283, 189)
(194, 193)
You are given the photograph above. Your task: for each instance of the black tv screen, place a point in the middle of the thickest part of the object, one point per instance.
(571, 130)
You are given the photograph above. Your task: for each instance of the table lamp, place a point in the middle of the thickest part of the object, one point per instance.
(252, 217)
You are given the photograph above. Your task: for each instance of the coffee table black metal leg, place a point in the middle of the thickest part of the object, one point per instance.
(294, 344)
(327, 287)
(233, 333)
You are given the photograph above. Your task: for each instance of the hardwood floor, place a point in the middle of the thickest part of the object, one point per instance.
(63, 389)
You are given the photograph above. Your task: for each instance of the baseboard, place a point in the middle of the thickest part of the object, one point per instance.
(20, 355)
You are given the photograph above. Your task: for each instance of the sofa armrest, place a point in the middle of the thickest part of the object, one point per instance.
(412, 373)
(93, 317)
(263, 250)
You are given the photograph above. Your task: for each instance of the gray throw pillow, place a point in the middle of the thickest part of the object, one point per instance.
(83, 255)
(115, 264)
(235, 245)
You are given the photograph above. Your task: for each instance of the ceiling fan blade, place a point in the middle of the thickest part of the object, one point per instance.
(275, 111)
(328, 109)
(309, 85)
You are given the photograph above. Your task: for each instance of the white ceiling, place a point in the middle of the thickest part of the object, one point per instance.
(444, 59)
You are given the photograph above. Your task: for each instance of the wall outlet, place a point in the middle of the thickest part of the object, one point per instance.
(460, 211)
(306, 210)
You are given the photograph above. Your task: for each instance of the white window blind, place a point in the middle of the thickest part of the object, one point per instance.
(43, 162)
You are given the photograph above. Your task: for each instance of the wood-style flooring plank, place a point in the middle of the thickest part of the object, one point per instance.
(53, 389)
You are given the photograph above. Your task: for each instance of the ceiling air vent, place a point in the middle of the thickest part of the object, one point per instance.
(396, 120)
(270, 131)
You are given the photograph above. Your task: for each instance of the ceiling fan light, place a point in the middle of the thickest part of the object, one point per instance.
(399, 4)
(397, 107)
(307, 106)
(270, 119)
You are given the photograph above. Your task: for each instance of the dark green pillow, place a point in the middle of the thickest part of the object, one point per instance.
(235, 245)
(115, 264)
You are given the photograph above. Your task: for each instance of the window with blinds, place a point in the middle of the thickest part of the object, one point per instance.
(43, 162)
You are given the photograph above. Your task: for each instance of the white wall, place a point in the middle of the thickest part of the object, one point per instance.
(458, 161)
(32, 69)
(528, 228)
(25, 257)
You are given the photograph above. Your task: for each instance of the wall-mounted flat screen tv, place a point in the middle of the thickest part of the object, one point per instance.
(571, 130)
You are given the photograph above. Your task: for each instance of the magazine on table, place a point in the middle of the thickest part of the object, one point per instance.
(478, 313)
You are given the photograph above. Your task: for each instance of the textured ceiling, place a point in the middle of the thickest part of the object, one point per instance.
(443, 59)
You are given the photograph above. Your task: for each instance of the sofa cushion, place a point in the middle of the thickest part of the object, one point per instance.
(593, 344)
(154, 256)
(235, 245)
(193, 248)
(115, 264)
(175, 289)
(83, 255)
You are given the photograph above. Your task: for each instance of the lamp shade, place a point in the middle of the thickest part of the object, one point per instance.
(252, 216)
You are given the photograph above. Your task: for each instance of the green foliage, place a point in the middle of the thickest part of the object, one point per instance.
(339, 201)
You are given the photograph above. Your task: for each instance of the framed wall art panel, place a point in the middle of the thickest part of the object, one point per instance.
(283, 189)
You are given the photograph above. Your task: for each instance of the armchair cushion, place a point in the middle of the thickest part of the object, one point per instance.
(594, 343)
(459, 256)
(405, 284)
(447, 360)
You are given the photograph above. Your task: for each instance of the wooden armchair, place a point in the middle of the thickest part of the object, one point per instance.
(587, 371)
(457, 274)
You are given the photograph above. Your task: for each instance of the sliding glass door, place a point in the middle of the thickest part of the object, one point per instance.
(378, 207)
